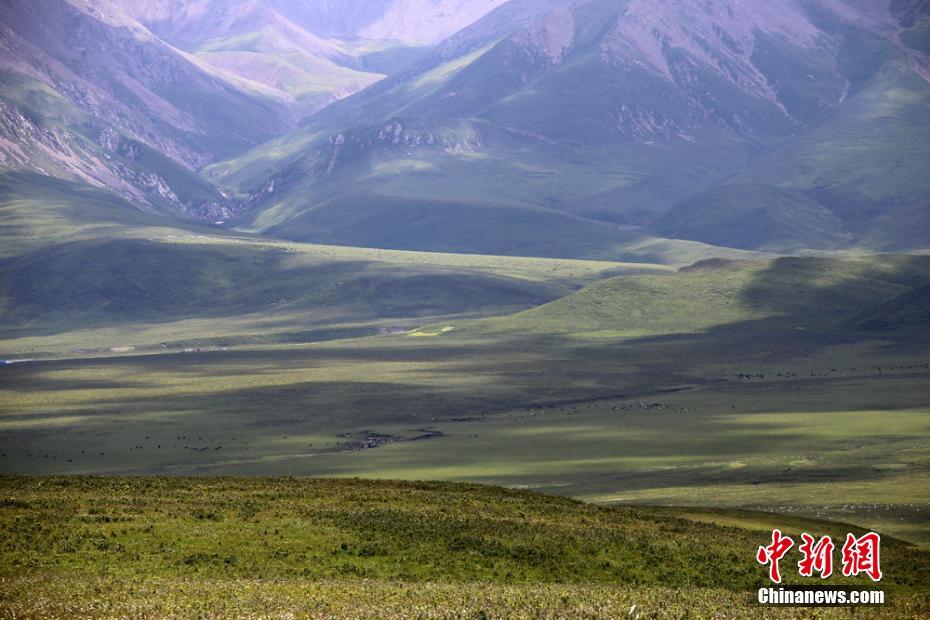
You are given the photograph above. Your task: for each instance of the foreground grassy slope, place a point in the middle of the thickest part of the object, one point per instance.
(114, 546)
(780, 385)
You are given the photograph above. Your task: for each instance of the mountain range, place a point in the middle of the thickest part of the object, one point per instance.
(592, 128)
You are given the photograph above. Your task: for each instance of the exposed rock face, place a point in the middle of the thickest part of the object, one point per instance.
(395, 137)
(719, 34)
(682, 39)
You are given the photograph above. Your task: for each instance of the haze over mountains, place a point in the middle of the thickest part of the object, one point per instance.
(138, 96)
(626, 113)
(592, 128)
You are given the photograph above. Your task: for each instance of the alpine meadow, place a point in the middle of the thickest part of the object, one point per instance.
(464, 309)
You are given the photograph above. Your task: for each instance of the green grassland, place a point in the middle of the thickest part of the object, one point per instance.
(220, 547)
(82, 269)
(37, 212)
(788, 385)
(793, 386)
(125, 280)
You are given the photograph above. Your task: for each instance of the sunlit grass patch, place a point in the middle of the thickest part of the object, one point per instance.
(431, 332)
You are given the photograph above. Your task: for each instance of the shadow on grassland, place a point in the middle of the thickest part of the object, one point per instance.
(114, 282)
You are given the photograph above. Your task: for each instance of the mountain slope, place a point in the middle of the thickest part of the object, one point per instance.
(90, 94)
(910, 310)
(412, 22)
(38, 211)
(138, 96)
(859, 173)
(255, 42)
(753, 216)
(610, 112)
(310, 52)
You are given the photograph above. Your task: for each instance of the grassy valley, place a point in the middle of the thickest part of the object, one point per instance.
(750, 384)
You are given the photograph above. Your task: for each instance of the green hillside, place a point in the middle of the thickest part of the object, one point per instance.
(78, 259)
(754, 216)
(865, 162)
(108, 547)
(302, 70)
(38, 211)
(370, 220)
(787, 293)
(910, 310)
(122, 281)
(743, 384)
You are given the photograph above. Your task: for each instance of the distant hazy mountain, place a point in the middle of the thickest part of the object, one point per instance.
(550, 127)
(256, 43)
(616, 112)
(309, 52)
(137, 96)
(89, 93)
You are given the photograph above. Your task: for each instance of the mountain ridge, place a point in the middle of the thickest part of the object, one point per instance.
(92, 93)
(591, 113)
(547, 117)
